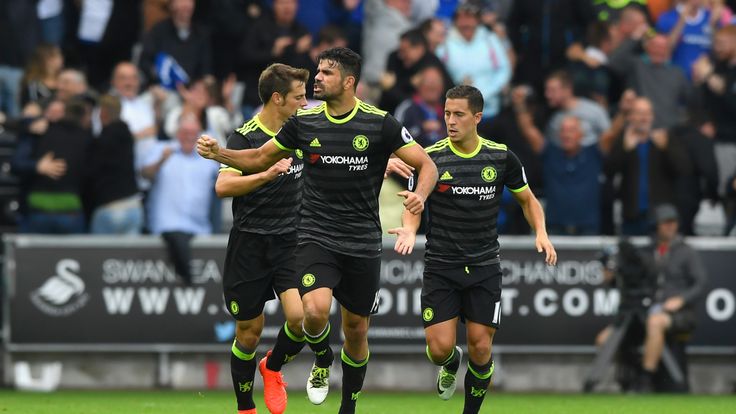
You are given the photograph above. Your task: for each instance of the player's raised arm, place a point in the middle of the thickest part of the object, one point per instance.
(535, 217)
(249, 160)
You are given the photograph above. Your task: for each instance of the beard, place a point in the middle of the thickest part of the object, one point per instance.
(323, 94)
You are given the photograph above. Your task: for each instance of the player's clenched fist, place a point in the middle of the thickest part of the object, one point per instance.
(207, 147)
(281, 167)
(414, 202)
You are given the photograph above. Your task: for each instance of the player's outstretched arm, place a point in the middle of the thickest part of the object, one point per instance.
(248, 160)
(232, 183)
(415, 156)
(406, 234)
(535, 217)
(396, 166)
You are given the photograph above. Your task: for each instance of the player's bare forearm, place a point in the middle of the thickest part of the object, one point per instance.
(427, 178)
(231, 184)
(411, 222)
(247, 160)
(533, 211)
(535, 217)
(415, 156)
(406, 234)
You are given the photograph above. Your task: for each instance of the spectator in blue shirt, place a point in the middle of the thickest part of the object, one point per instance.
(423, 113)
(689, 29)
(476, 56)
(181, 194)
(572, 172)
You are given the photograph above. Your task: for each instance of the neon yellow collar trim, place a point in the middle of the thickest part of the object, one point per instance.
(462, 154)
(347, 118)
(263, 127)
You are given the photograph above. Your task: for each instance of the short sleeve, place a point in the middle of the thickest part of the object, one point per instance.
(235, 141)
(287, 138)
(666, 23)
(515, 178)
(395, 135)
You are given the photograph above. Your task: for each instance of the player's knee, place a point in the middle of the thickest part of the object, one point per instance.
(315, 310)
(248, 338)
(355, 330)
(479, 348)
(314, 314)
(439, 349)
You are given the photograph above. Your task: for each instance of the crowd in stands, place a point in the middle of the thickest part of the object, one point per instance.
(607, 103)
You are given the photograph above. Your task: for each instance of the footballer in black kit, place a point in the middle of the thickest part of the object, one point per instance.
(260, 253)
(462, 276)
(346, 145)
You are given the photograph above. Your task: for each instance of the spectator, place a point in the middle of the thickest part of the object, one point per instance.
(180, 39)
(435, 33)
(541, 31)
(19, 36)
(611, 10)
(154, 11)
(115, 201)
(26, 163)
(138, 111)
(423, 114)
(657, 7)
(399, 81)
(689, 29)
(384, 21)
(649, 163)
(632, 25)
(696, 137)
(627, 34)
(730, 207)
(71, 83)
(278, 38)
(55, 200)
(51, 19)
(229, 22)
(475, 56)
(105, 35)
(198, 99)
(681, 279)
(716, 76)
(589, 66)
(652, 76)
(561, 97)
(182, 191)
(572, 172)
(317, 14)
(41, 74)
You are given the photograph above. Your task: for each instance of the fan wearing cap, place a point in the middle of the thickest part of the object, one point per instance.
(680, 281)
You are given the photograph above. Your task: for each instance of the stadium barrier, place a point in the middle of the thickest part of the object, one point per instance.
(121, 294)
(116, 294)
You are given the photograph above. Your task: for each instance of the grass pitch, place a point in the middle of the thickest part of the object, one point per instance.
(222, 402)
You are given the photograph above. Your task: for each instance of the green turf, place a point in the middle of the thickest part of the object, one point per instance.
(220, 402)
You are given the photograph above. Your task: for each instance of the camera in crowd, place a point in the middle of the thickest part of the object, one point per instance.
(634, 275)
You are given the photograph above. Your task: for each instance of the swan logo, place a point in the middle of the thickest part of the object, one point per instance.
(63, 293)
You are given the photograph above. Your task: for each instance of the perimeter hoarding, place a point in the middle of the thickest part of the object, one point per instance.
(111, 293)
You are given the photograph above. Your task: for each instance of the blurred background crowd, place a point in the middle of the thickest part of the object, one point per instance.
(613, 106)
